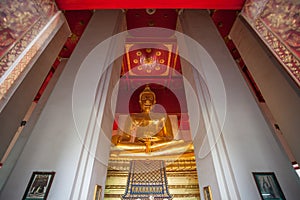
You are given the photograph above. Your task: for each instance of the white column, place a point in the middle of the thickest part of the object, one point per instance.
(209, 90)
(238, 140)
(93, 80)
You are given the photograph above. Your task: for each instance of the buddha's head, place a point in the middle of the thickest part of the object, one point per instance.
(147, 99)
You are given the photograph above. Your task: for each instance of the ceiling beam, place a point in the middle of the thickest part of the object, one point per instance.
(121, 4)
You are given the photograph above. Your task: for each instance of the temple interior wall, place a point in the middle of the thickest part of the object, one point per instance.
(54, 144)
(249, 142)
(280, 92)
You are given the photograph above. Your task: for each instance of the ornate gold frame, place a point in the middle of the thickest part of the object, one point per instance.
(207, 193)
(97, 192)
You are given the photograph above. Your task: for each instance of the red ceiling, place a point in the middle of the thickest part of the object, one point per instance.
(78, 13)
(135, 18)
(77, 21)
(165, 18)
(132, 4)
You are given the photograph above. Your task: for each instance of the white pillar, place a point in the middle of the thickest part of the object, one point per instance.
(210, 150)
(93, 78)
(238, 139)
(66, 133)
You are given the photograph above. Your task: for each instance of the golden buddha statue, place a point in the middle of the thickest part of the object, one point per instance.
(145, 130)
(148, 133)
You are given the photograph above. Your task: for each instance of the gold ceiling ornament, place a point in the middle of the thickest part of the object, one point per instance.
(138, 53)
(148, 59)
(148, 63)
(73, 38)
(150, 11)
(151, 23)
(161, 61)
(157, 68)
(135, 61)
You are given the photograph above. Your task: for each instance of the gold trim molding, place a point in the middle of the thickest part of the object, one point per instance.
(28, 45)
(278, 24)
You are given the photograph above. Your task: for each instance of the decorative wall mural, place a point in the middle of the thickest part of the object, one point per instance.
(20, 23)
(278, 25)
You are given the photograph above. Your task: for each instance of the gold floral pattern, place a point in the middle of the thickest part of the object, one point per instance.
(286, 57)
(277, 22)
(20, 24)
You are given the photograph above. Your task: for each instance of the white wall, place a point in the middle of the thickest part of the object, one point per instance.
(54, 144)
(18, 103)
(247, 144)
(279, 90)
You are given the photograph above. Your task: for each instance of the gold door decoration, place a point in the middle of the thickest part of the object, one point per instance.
(207, 193)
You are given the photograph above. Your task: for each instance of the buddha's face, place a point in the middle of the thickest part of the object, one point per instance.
(147, 100)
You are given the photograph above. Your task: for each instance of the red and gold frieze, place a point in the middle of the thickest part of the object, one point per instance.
(19, 17)
(278, 24)
(23, 61)
(21, 24)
